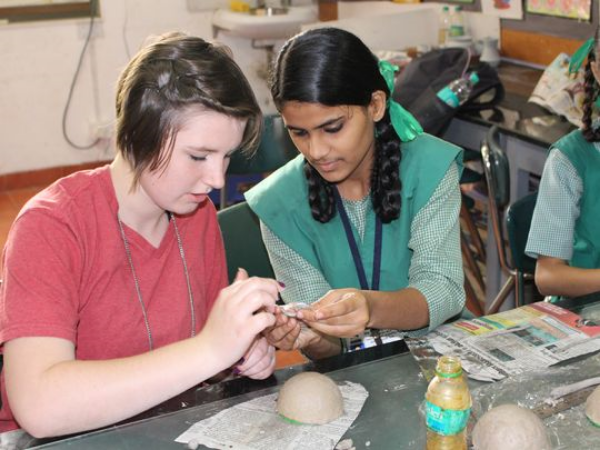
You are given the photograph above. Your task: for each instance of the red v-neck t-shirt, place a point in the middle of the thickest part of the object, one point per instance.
(66, 274)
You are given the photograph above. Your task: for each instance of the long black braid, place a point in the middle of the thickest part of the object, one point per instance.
(320, 195)
(590, 88)
(385, 178)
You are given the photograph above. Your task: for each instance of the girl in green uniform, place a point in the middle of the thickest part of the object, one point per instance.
(564, 230)
(363, 224)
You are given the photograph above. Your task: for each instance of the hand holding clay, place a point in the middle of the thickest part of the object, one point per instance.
(339, 313)
(289, 334)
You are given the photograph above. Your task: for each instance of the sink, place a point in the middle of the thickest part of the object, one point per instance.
(264, 23)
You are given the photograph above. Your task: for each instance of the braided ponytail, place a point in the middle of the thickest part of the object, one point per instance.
(591, 90)
(385, 177)
(320, 195)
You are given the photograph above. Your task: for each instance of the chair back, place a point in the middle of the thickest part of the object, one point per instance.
(275, 149)
(244, 246)
(497, 174)
(496, 168)
(518, 222)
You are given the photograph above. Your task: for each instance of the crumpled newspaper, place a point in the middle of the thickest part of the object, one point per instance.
(256, 425)
(560, 92)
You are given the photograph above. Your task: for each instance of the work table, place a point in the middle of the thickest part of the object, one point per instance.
(391, 418)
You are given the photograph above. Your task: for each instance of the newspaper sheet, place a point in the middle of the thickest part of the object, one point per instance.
(511, 342)
(559, 91)
(255, 425)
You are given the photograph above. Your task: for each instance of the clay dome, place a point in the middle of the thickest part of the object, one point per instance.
(310, 398)
(510, 427)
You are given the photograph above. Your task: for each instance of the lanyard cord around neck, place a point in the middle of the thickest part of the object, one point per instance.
(358, 264)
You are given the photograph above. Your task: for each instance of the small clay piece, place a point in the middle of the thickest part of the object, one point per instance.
(291, 309)
(310, 398)
(346, 444)
(592, 407)
(193, 444)
(510, 427)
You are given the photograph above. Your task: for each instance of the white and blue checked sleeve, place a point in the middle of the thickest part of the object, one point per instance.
(557, 209)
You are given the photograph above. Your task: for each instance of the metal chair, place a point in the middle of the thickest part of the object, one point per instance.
(469, 235)
(244, 246)
(518, 223)
(276, 148)
(470, 257)
(519, 267)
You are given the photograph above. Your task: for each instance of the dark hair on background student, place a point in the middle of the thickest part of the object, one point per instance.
(591, 89)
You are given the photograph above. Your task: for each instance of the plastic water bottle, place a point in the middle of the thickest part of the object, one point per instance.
(458, 91)
(444, 28)
(457, 23)
(447, 406)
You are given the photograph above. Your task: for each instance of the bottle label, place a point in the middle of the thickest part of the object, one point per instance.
(457, 30)
(446, 421)
(449, 97)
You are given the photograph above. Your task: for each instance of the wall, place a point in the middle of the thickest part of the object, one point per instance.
(537, 38)
(555, 26)
(384, 25)
(39, 60)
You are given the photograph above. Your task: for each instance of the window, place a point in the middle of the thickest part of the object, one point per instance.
(30, 10)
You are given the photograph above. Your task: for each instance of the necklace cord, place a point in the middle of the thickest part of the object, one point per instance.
(137, 283)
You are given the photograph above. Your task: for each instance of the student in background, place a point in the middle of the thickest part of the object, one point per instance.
(363, 224)
(115, 293)
(564, 233)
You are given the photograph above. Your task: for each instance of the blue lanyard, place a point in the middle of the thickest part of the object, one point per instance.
(360, 270)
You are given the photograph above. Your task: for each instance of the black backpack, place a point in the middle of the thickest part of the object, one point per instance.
(417, 85)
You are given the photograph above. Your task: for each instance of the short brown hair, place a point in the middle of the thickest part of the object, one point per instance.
(169, 77)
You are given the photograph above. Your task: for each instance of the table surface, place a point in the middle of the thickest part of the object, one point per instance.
(515, 115)
(390, 419)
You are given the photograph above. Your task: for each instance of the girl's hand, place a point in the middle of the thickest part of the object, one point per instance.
(289, 334)
(258, 362)
(340, 312)
(241, 312)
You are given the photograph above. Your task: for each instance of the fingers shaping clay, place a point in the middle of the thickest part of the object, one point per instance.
(310, 398)
(510, 427)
